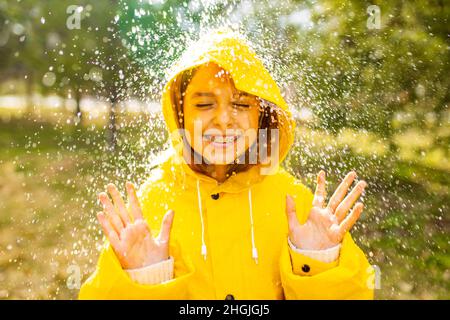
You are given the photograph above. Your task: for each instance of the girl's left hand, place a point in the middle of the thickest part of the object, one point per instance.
(326, 226)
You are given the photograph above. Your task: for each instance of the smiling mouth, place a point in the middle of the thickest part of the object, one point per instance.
(220, 141)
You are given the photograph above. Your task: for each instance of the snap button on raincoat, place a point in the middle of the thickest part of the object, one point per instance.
(235, 244)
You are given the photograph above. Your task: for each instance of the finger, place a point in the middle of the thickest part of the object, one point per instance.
(320, 194)
(291, 214)
(111, 212)
(350, 220)
(135, 207)
(118, 203)
(109, 232)
(166, 226)
(341, 191)
(349, 200)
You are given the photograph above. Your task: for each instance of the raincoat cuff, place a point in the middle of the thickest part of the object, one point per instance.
(153, 274)
(304, 265)
(326, 255)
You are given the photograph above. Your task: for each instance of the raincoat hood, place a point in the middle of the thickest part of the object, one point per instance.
(231, 52)
(228, 50)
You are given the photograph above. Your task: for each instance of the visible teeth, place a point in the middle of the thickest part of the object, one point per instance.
(223, 140)
(220, 139)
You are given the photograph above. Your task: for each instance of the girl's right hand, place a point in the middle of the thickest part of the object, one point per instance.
(128, 232)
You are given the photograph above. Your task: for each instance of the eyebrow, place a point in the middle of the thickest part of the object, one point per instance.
(209, 94)
(202, 94)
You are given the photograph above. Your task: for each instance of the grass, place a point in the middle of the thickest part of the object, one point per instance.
(50, 173)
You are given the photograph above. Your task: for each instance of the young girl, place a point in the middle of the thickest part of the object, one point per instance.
(233, 224)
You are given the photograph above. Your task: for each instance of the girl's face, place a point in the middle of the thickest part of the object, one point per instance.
(222, 121)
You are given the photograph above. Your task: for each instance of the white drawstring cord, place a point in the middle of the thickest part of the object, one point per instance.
(204, 251)
(254, 250)
(201, 219)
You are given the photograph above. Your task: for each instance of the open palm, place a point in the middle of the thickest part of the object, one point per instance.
(326, 225)
(128, 232)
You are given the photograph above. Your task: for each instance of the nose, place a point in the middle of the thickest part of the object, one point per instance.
(223, 116)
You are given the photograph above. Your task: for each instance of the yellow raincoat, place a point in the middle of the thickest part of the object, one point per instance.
(222, 225)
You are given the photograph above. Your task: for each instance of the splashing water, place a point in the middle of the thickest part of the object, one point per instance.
(375, 102)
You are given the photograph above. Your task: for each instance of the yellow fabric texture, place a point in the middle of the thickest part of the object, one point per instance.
(229, 267)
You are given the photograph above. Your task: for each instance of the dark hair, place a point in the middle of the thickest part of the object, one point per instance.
(268, 119)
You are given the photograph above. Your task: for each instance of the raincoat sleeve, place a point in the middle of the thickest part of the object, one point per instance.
(111, 281)
(349, 277)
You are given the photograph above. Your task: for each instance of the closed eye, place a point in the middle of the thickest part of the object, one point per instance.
(203, 105)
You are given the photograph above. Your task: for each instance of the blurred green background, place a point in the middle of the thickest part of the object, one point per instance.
(79, 107)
